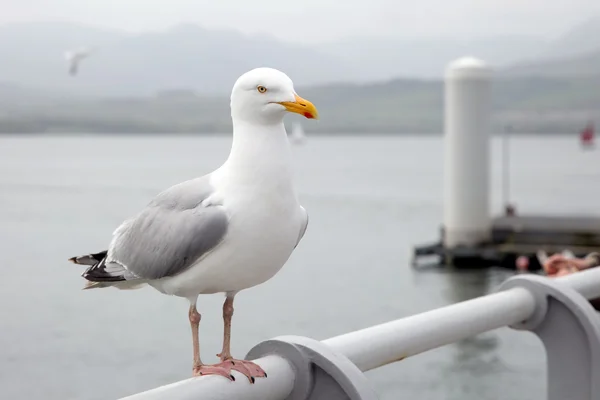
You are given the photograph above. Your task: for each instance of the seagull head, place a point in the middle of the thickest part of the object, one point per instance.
(264, 95)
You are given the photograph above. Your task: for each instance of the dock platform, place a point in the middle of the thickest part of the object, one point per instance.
(514, 236)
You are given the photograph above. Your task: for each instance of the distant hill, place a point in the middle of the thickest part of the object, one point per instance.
(578, 66)
(186, 56)
(575, 54)
(189, 57)
(179, 80)
(400, 106)
(580, 40)
(426, 58)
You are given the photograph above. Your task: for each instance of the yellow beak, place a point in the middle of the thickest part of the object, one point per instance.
(302, 107)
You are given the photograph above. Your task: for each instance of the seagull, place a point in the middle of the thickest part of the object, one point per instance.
(74, 57)
(223, 232)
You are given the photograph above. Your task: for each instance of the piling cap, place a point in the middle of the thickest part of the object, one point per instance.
(468, 68)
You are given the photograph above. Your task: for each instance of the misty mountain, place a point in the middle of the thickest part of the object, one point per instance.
(575, 54)
(580, 40)
(398, 106)
(386, 58)
(186, 56)
(189, 57)
(580, 66)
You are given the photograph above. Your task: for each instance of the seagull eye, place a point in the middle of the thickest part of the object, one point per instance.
(261, 89)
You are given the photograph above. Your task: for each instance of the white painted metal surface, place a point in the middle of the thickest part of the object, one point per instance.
(586, 282)
(277, 386)
(467, 123)
(384, 344)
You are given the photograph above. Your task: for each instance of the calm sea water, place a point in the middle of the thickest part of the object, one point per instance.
(369, 199)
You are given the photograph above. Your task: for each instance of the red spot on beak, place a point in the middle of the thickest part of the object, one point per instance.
(308, 115)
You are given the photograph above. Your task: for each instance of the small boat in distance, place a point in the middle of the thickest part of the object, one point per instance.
(297, 136)
(587, 136)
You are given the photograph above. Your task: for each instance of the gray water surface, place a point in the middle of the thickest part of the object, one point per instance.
(369, 199)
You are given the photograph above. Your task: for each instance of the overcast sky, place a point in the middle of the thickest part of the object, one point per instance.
(322, 20)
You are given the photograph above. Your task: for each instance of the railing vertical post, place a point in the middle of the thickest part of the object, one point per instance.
(321, 373)
(569, 328)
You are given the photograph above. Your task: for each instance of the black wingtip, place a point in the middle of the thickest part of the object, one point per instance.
(89, 259)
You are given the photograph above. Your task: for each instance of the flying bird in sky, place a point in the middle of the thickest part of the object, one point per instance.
(75, 57)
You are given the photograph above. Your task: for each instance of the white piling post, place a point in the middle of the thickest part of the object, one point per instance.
(466, 160)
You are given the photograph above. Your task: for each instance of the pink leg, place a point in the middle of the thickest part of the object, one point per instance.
(199, 368)
(247, 368)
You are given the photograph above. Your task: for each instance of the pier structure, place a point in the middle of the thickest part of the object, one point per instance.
(470, 236)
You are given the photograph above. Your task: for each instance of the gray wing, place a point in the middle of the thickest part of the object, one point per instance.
(303, 226)
(171, 233)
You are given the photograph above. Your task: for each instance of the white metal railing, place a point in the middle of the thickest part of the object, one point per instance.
(556, 309)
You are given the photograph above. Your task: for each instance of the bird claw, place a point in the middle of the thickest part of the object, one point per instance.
(247, 368)
(203, 370)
